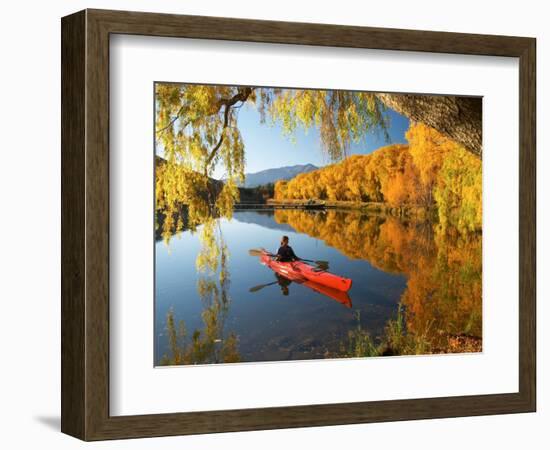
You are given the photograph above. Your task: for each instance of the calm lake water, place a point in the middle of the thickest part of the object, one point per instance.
(388, 260)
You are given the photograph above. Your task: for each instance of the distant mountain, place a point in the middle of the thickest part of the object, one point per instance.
(273, 175)
(263, 177)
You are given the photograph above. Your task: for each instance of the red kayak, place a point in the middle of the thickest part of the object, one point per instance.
(300, 271)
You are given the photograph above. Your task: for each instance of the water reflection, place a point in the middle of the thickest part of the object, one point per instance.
(437, 311)
(209, 344)
(442, 301)
(284, 283)
(328, 292)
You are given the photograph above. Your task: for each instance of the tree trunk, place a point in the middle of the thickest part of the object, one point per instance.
(458, 118)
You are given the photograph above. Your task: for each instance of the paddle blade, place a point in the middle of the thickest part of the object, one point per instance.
(261, 286)
(323, 265)
(259, 252)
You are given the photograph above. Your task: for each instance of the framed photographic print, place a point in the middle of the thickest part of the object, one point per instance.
(270, 224)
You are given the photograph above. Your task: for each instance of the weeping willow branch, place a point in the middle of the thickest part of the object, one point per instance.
(242, 96)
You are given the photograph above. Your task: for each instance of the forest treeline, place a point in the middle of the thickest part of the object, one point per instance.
(432, 171)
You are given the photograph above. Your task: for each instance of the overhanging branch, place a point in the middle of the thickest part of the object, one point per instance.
(241, 96)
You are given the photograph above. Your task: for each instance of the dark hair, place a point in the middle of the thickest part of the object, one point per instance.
(285, 239)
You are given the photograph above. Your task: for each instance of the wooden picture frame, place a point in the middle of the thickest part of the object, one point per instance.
(85, 224)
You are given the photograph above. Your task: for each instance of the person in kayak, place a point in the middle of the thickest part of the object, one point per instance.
(285, 252)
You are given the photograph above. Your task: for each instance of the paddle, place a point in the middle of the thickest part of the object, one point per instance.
(261, 286)
(323, 265)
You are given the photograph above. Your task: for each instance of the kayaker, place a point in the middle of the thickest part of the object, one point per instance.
(285, 252)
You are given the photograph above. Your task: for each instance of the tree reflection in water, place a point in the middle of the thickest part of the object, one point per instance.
(211, 344)
(440, 310)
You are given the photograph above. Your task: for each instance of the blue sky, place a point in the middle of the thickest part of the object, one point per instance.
(266, 147)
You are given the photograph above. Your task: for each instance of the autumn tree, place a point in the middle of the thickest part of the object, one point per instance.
(449, 173)
(197, 131)
(385, 175)
(197, 125)
(432, 171)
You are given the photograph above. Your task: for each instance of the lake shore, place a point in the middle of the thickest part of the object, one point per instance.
(379, 209)
(375, 208)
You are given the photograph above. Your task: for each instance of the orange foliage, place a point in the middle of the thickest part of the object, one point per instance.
(432, 171)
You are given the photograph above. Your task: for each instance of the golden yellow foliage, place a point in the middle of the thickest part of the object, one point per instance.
(432, 171)
(451, 174)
